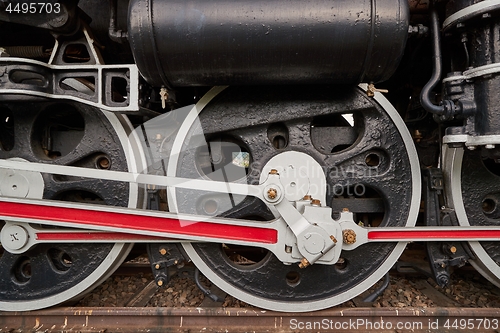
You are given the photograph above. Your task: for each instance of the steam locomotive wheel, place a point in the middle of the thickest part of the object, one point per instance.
(64, 133)
(370, 165)
(474, 183)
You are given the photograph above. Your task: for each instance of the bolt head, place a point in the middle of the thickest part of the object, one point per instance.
(163, 251)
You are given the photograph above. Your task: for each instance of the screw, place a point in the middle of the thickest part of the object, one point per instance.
(304, 263)
(273, 172)
(345, 210)
(157, 266)
(349, 236)
(316, 203)
(163, 251)
(272, 193)
(453, 249)
(307, 197)
(471, 147)
(160, 283)
(489, 146)
(333, 239)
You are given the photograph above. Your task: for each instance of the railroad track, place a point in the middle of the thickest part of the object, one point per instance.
(160, 320)
(355, 316)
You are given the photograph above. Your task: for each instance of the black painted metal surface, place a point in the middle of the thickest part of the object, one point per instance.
(219, 42)
(481, 194)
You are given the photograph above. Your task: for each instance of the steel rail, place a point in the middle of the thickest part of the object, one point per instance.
(160, 320)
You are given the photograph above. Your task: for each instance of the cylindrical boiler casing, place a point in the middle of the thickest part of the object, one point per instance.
(226, 42)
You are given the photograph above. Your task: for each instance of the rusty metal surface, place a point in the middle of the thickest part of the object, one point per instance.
(251, 320)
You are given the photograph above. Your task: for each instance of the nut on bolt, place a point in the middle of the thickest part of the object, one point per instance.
(272, 193)
(304, 263)
(332, 237)
(349, 236)
(316, 203)
(163, 251)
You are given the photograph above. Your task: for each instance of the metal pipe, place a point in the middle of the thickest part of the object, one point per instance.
(425, 99)
(116, 35)
(204, 290)
(371, 298)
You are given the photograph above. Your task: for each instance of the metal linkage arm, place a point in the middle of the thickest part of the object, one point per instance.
(88, 84)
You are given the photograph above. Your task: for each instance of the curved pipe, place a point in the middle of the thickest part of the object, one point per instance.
(425, 99)
(115, 35)
(204, 290)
